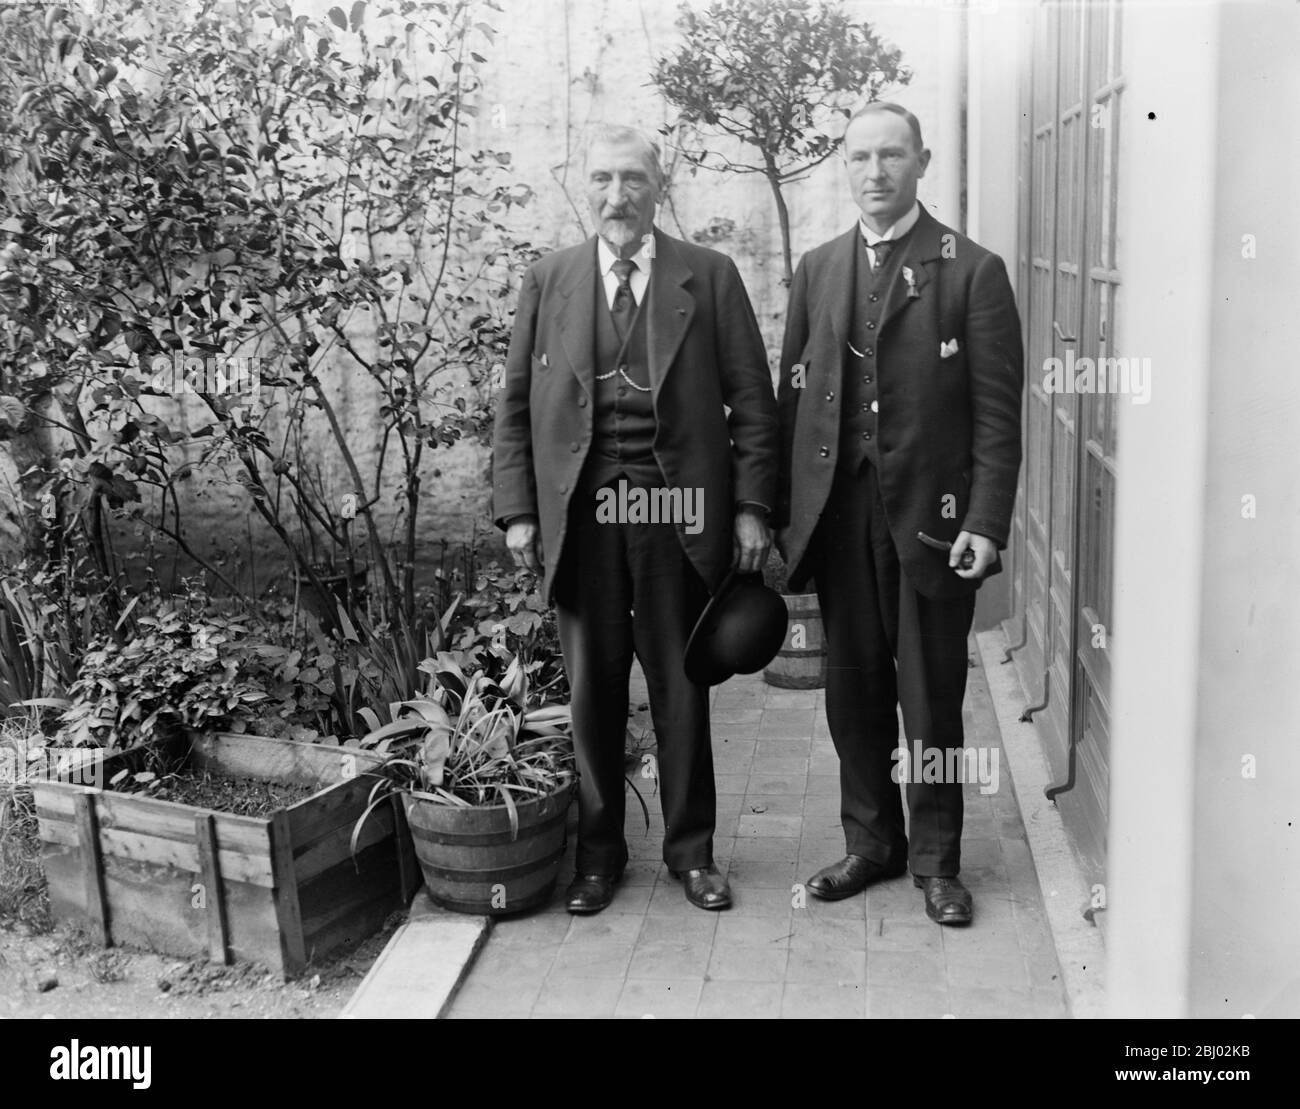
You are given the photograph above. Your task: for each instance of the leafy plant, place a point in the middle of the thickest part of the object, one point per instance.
(778, 76)
(470, 741)
(247, 180)
(505, 619)
(178, 672)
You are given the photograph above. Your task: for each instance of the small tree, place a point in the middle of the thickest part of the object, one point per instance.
(779, 76)
(244, 180)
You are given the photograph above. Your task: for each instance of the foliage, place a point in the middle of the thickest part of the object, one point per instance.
(191, 665)
(45, 625)
(779, 76)
(470, 741)
(24, 894)
(243, 204)
(504, 619)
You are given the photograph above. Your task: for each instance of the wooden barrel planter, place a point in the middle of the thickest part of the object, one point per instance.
(474, 863)
(279, 891)
(801, 662)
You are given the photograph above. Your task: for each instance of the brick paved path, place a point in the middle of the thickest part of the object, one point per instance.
(877, 955)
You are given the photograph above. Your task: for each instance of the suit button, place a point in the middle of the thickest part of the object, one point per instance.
(582, 402)
(825, 452)
(866, 435)
(874, 298)
(623, 368)
(866, 408)
(622, 391)
(830, 396)
(564, 489)
(871, 325)
(866, 378)
(575, 447)
(875, 407)
(871, 352)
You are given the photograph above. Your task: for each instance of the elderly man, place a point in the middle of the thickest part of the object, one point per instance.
(901, 377)
(627, 353)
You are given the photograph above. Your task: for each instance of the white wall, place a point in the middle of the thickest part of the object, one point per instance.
(1204, 883)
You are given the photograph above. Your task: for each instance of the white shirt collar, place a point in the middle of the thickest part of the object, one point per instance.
(643, 258)
(900, 228)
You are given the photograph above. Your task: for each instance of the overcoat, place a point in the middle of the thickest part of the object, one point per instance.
(705, 352)
(949, 376)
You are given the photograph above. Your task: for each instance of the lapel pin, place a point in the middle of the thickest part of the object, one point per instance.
(948, 349)
(910, 278)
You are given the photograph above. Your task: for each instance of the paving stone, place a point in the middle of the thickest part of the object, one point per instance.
(764, 963)
(660, 998)
(777, 722)
(823, 1001)
(786, 747)
(537, 930)
(766, 848)
(578, 997)
(494, 996)
(731, 783)
(973, 1002)
(749, 930)
(989, 971)
(595, 959)
(740, 1000)
(669, 960)
(818, 928)
(699, 927)
(789, 787)
(768, 824)
(763, 874)
(903, 934)
(604, 927)
(905, 968)
(900, 1002)
(826, 965)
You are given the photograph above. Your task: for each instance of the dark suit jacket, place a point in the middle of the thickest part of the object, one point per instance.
(946, 425)
(705, 351)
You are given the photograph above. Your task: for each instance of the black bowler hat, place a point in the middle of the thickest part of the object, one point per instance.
(739, 632)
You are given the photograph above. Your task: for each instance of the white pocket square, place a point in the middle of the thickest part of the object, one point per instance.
(948, 349)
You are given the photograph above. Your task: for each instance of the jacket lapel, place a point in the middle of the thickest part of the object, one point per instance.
(671, 308)
(577, 317)
(839, 280)
(921, 252)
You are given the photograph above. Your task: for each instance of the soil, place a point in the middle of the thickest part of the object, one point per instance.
(204, 790)
(61, 974)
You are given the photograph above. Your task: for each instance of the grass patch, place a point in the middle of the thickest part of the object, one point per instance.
(24, 895)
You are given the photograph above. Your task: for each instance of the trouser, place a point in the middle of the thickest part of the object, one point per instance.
(889, 646)
(623, 588)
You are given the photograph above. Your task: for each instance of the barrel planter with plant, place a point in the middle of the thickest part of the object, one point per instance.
(486, 780)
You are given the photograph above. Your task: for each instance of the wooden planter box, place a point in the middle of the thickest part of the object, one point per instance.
(280, 891)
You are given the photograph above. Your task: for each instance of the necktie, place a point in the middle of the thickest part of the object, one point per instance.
(882, 251)
(624, 308)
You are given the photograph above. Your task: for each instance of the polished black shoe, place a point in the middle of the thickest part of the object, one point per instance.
(947, 901)
(589, 893)
(852, 874)
(705, 887)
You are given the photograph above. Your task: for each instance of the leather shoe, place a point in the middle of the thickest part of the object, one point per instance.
(947, 901)
(852, 874)
(705, 887)
(589, 893)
